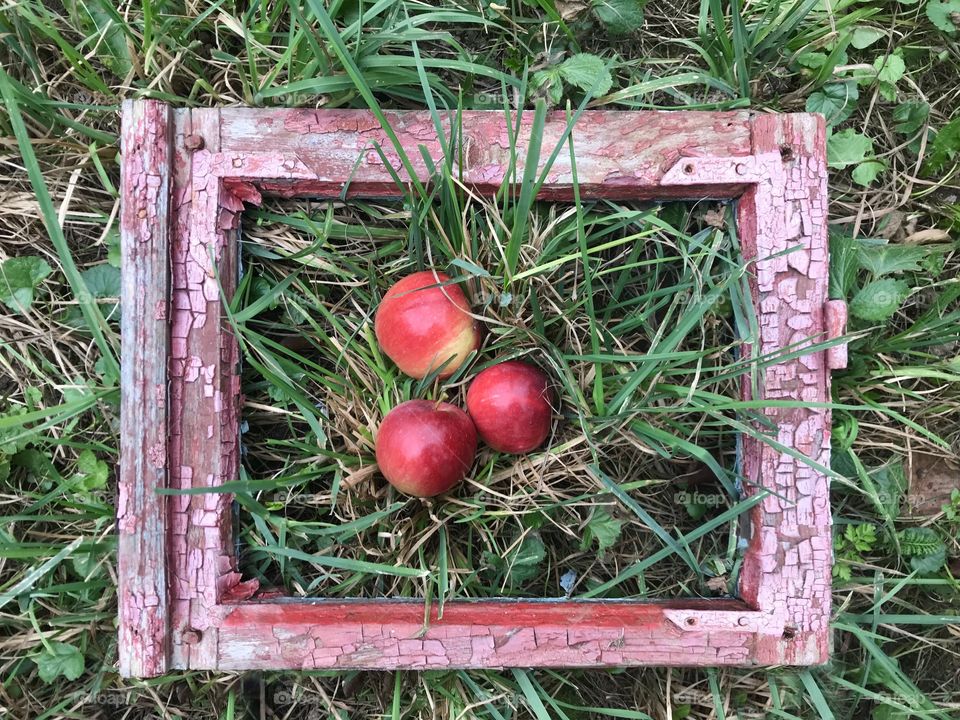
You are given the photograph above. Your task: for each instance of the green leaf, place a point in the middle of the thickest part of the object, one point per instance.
(888, 91)
(18, 278)
(882, 260)
(890, 68)
(841, 463)
(891, 483)
(38, 463)
(864, 37)
(821, 65)
(942, 14)
(844, 257)
(924, 547)
(102, 281)
(945, 145)
(866, 172)
(929, 564)
(842, 570)
(587, 72)
(878, 300)
(888, 712)
(836, 101)
(83, 563)
(602, 527)
(862, 537)
(908, 117)
(113, 248)
(471, 269)
(260, 288)
(811, 60)
(883, 673)
(549, 85)
(919, 541)
(620, 17)
(91, 472)
(59, 659)
(848, 147)
(524, 559)
(100, 18)
(16, 438)
(543, 77)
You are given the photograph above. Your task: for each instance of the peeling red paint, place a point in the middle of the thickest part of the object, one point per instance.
(487, 634)
(183, 603)
(787, 566)
(836, 322)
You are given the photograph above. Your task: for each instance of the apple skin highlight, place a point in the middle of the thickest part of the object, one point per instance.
(511, 404)
(420, 325)
(425, 448)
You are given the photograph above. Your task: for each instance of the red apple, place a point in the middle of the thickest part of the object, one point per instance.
(511, 405)
(424, 448)
(421, 326)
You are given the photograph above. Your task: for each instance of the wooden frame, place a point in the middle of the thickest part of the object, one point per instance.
(186, 177)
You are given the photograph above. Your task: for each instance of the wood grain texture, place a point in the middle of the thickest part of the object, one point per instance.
(619, 154)
(225, 159)
(145, 137)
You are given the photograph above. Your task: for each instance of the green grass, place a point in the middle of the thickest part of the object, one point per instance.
(317, 386)
(884, 73)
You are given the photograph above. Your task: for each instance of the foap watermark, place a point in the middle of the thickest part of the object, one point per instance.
(286, 697)
(299, 498)
(491, 100)
(104, 698)
(291, 99)
(912, 502)
(101, 497)
(697, 697)
(695, 497)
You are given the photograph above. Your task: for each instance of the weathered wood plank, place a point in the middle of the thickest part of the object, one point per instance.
(485, 634)
(787, 566)
(618, 154)
(205, 387)
(145, 136)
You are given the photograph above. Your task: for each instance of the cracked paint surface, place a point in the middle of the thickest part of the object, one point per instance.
(205, 394)
(357, 634)
(141, 515)
(619, 154)
(787, 568)
(782, 223)
(775, 162)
